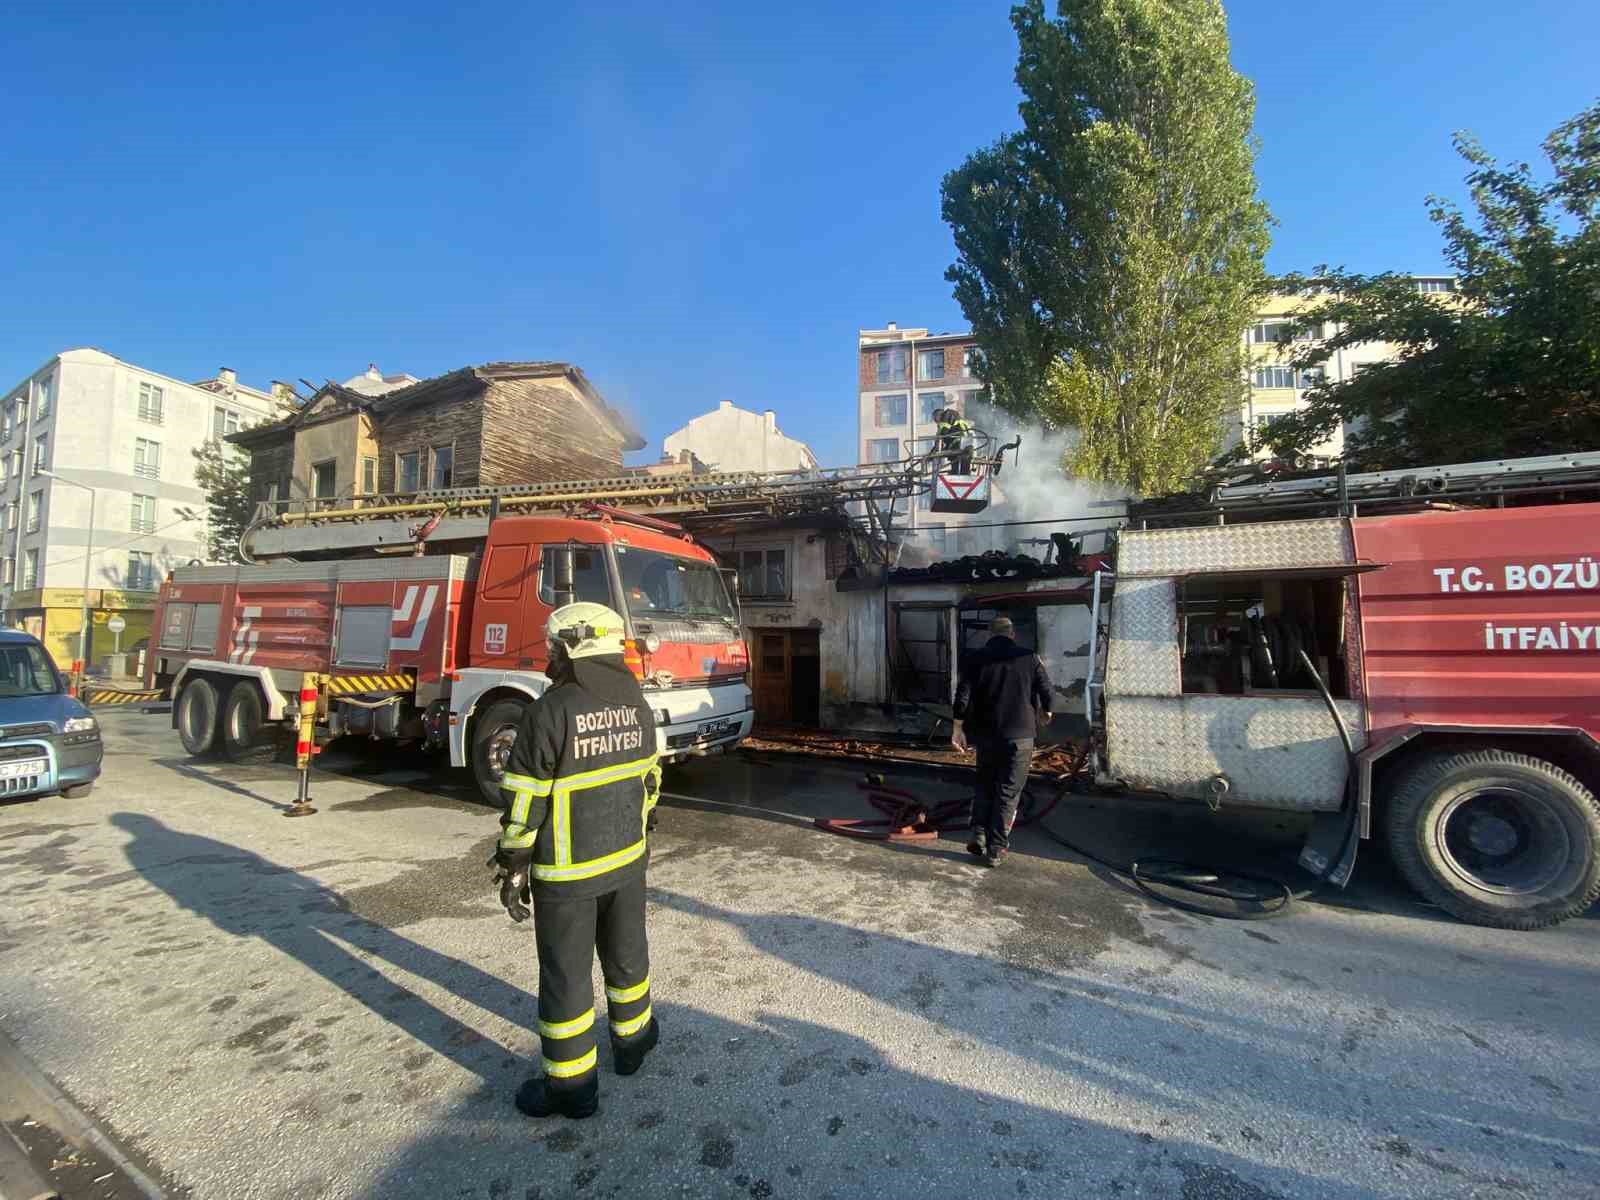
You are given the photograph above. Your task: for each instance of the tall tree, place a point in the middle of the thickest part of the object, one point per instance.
(222, 472)
(1110, 254)
(1510, 364)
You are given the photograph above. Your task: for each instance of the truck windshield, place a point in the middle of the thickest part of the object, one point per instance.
(656, 584)
(25, 670)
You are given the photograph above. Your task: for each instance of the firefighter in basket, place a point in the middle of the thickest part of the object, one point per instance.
(579, 788)
(953, 433)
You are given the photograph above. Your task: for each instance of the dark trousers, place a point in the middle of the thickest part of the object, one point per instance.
(1002, 772)
(568, 933)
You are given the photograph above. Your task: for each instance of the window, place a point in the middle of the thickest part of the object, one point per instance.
(891, 410)
(141, 570)
(1274, 377)
(5, 470)
(764, 574)
(16, 463)
(1269, 332)
(1310, 333)
(883, 450)
(590, 581)
(407, 468)
(224, 421)
(928, 403)
(143, 519)
(147, 458)
(925, 501)
(442, 468)
(151, 400)
(665, 585)
(30, 569)
(930, 364)
(369, 477)
(1261, 428)
(8, 572)
(41, 453)
(22, 412)
(969, 363)
(26, 670)
(892, 366)
(46, 394)
(11, 515)
(970, 403)
(1436, 285)
(6, 419)
(324, 479)
(35, 511)
(1312, 377)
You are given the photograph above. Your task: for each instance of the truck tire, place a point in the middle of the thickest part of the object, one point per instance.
(245, 735)
(196, 715)
(1496, 838)
(494, 731)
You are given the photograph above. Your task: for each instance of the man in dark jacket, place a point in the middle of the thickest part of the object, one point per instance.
(579, 787)
(1003, 696)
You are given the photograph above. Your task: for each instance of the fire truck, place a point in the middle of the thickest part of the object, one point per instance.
(422, 616)
(1410, 655)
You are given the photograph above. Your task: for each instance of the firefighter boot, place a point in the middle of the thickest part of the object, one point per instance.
(628, 1056)
(536, 1098)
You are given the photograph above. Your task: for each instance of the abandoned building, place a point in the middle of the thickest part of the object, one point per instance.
(500, 423)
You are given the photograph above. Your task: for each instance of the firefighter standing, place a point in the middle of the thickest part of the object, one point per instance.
(954, 434)
(1003, 698)
(579, 787)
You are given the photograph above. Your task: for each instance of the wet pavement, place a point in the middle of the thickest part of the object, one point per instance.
(337, 1007)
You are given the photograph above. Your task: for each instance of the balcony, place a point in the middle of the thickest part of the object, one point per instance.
(147, 470)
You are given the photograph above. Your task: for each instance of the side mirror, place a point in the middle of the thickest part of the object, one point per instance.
(561, 584)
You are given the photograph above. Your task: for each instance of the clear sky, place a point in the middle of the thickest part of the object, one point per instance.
(692, 202)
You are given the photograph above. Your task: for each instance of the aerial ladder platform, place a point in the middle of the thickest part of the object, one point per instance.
(867, 496)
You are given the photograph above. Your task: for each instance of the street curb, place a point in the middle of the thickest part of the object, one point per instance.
(35, 1085)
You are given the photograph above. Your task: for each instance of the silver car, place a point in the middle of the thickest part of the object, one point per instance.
(49, 742)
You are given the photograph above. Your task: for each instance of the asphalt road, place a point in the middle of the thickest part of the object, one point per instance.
(337, 1007)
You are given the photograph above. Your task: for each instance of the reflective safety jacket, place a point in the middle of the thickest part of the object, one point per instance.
(951, 432)
(581, 780)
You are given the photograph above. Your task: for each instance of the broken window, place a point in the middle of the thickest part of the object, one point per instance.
(443, 472)
(764, 574)
(407, 471)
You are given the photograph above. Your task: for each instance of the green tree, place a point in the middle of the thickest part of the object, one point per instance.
(1507, 366)
(222, 472)
(1110, 253)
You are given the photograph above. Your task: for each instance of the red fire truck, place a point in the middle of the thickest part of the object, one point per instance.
(1448, 618)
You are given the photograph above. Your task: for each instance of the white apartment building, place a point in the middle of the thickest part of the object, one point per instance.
(87, 418)
(905, 376)
(736, 439)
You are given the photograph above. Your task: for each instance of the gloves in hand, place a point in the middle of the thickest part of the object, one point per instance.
(512, 868)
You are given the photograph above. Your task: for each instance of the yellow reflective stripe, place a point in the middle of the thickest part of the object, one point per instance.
(566, 1029)
(574, 1066)
(587, 870)
(532, 783)
(521, 803)
(518, 841)
(629, 1028)
(587, 779)
(623, 995)
(563, 829)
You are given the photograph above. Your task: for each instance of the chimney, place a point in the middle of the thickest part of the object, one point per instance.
(893, 327)
(725, 404)
(282, 393)
(373, 372)
(226, 377)
(772, 420)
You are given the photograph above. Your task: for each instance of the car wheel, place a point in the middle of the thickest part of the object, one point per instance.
(77, 791)
(246, 736)
(494, 732)
(1497, 838)
(197, 711)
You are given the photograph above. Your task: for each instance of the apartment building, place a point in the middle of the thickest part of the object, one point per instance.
(905, 376)
(87, 420)
(1276, 388)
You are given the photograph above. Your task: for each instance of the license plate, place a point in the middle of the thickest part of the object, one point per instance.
(712, 728)
(27, 766)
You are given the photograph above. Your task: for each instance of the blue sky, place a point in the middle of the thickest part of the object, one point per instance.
(693, 203)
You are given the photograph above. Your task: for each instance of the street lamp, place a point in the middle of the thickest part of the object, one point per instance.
(88, 559)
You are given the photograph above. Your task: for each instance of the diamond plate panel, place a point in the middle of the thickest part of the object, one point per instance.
(1233, 547)
(1143, 659)
(1277, 752)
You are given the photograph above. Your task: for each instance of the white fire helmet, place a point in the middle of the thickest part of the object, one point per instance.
(585, 630)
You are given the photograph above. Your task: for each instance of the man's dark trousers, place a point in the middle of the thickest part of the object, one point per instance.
(1002, 772)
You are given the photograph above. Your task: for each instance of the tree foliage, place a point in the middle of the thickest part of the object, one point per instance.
(1507, 366)
(222, 472)
(1110, 253)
